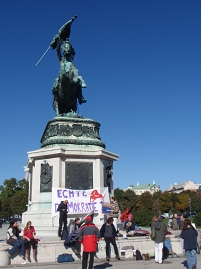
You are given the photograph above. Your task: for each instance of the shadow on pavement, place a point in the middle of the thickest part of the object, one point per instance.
(104, 265)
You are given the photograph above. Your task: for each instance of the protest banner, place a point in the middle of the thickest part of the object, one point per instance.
(80, 201)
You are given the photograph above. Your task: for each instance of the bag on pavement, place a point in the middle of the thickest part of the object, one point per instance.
(65, 257)
(138, 255)
(146, 257)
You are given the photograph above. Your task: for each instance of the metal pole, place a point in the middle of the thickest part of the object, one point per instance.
(42, 56)
(189, 203)
(190, 211)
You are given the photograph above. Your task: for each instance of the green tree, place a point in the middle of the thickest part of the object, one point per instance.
(9, 188)
(145, 201)
(6, 192)
(165, 202)
(129, 200)
(197, 219)
(156, 202)
(118, 193)
(196, 202)
(18, 202)
(174, 198)
(156, 207)
(143, 218)
(182, 203)
(156, 195)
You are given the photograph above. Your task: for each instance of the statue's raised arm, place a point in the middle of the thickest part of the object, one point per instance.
(63, 33)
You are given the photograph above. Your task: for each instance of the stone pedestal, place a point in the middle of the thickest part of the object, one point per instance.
(71, 156)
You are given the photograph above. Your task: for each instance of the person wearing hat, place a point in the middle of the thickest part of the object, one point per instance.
(129, 226)
(89, 236)
(109, 234)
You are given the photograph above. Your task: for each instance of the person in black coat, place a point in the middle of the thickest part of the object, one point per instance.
(189, 234)
(63, 209)
(109, 233)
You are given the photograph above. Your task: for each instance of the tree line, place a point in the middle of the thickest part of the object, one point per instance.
(13, 197)
(160, 202)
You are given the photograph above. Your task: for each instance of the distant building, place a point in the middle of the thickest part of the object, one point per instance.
(188, 185)
(199, 189)
(141, 188)
(197, 186)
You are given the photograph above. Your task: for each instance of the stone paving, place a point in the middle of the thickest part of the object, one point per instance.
(173, 263)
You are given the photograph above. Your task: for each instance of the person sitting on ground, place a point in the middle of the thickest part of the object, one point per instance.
(129, 226)
(124, 214)
(14, 239)
(175, 225)
(73, 227)
(29, 232)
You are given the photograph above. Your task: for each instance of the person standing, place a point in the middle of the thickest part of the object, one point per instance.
(181, 224)
(14, 239)
(109, 234)
(89, 236)
(63, 209)
(160, 232)
(29, 232)
(115, 210)
(189, 234)
(74, 227)
(175, 225)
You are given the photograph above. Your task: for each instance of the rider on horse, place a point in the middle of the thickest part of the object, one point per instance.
(67, 88)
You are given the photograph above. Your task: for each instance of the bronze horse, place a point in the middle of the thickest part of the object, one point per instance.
(67, 88)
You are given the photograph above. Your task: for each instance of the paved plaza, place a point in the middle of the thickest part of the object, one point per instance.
(173, 263)
(170, 263)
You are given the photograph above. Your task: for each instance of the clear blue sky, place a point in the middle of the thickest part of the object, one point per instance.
(141, 61)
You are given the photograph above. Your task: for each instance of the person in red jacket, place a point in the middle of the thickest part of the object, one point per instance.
(125, 213)
(89, 236)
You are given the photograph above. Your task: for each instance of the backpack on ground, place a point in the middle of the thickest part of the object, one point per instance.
(146, 257)
(65, 258)
(138, 255)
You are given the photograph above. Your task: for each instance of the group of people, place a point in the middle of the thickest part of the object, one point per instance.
(177, 222)
(23, 240)
(89, 236)
(188, 234)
